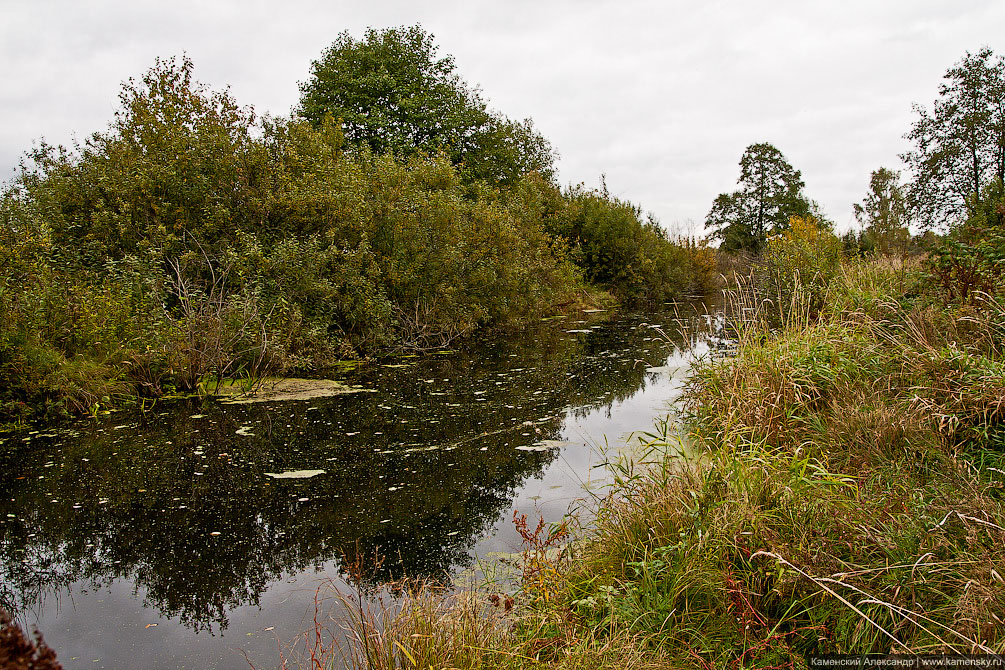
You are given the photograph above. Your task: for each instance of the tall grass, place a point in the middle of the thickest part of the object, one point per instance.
(416, 626)
(839, 506)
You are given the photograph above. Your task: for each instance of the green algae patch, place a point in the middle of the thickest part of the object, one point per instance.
(280, 390)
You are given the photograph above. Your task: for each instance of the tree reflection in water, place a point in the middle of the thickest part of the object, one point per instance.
(416, 470)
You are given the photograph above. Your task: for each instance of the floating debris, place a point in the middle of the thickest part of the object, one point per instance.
(295, 474)
(545, 445)
(245, 431)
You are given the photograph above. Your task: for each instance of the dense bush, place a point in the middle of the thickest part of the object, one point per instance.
(632, 258)
(191, 240)
(970, 260)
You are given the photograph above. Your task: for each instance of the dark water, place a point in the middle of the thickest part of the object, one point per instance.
(156, 539)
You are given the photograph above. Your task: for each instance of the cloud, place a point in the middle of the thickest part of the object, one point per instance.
(662, 97)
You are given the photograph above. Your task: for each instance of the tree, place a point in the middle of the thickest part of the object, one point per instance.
(771, 191)
(959, 148)
(883, 213)
(393, 94)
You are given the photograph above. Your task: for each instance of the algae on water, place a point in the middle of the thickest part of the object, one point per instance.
(276, 390)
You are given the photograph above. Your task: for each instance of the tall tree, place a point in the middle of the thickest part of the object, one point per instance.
(959, 147)
(771, 191)
(884, 213)
(392, 93)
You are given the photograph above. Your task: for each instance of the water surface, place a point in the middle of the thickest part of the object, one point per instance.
(157, 539)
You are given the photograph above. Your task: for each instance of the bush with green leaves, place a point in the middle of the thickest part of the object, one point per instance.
(631, 257)
(970, 260)
(178, 161)
(799, 264)
(191, 239)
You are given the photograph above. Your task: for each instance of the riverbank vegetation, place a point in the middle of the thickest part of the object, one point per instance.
(841, 494)
(842, 486)
(193, 240)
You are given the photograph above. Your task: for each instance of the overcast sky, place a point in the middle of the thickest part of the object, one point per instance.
(661, 97)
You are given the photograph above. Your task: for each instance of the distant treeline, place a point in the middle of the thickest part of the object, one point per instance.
(192, 240)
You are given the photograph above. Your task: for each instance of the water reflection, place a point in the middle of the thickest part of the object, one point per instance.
(418, 468)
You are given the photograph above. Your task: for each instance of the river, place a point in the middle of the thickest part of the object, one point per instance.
(163, 538)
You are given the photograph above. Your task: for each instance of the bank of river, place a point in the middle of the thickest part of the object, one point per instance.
(192, 533)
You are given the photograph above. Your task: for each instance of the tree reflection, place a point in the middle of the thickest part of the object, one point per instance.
(416, 471)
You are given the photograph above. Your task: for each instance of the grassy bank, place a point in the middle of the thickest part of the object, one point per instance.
(844, 494)
(848, 496)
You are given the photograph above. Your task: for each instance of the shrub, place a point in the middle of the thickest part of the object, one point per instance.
(800, 261)
(17, 652)
(970, 260)
(633, 258)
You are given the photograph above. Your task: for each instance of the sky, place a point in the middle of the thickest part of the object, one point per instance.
(661, 98)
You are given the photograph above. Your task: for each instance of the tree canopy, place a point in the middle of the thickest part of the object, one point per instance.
(771, 191)
(177, 160)
(392, 93)
(959, 147)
